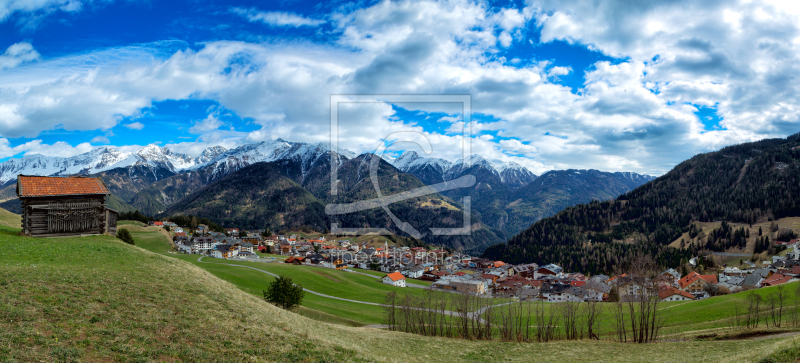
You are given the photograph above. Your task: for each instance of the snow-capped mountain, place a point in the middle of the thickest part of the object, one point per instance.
(95, 161)
(434, 170)
(217, 159)
(234, 159)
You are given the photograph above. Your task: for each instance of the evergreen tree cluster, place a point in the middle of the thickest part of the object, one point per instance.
(726, 237)
(135, 216)
(743, 183)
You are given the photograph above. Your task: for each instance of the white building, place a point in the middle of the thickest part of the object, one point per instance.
(395, 279)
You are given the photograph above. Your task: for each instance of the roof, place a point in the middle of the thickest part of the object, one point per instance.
(395, 276)
(669, 291)
(47, 186)
(692, 277)
(577, 283)
(777, 279)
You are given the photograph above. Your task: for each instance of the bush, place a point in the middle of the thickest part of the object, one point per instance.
(283, 293)
(125, 236)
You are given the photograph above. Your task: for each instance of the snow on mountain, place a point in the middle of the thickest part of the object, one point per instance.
(210, 154)
(306, 154)
(434, 169)
(95, 161)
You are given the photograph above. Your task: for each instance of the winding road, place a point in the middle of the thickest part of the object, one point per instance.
(471, 315)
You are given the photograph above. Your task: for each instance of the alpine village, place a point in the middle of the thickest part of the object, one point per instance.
(393, 181)
(707, 252)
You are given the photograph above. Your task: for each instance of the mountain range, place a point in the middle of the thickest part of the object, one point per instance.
(504, 200)
(747, 183)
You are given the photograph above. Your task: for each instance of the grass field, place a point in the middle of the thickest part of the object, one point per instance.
(9, 219)
(99, 299)
(680, 317)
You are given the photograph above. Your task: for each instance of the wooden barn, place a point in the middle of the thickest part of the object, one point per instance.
(64, 206)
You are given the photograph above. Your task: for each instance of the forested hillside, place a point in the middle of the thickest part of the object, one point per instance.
(742, 183)
(256, 196)
(277, 195)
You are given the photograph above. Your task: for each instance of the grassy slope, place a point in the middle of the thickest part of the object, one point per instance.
(680, 317)
(93, 298)
(9, 219)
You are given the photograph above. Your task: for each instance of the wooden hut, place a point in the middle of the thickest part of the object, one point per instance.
(64, 206)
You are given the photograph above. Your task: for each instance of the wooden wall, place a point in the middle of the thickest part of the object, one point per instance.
(65, 216)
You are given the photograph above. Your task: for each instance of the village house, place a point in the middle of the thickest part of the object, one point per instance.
(670, 277)
(223, 251)
(669, 293)
(203, 244)
(395, 279)
(695, 284)
(550, 269)
(777, 279)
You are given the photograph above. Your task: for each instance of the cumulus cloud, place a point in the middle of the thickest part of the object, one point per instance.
(60, 148)
(134, 125)
(635, 113)
(211, 123)
(16, 54)
(100, 140)
(276, 18)
(32, 12)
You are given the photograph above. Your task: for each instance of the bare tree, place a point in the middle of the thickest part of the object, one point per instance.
(619, 321)
(593, 311)
(546, 322)
(569, 319)
(780, 296)
(390, 309)
(753, 309)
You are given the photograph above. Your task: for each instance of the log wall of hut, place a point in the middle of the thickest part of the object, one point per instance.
(65, 216)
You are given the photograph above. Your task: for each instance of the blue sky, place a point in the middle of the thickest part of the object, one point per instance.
(554, 85)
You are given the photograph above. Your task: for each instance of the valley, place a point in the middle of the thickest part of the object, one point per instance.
(227, 186)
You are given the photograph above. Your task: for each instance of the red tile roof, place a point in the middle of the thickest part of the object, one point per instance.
(395, 276)
(669, 291)
(577, 283)
(46, 186)
(776, 279)
(692, 277)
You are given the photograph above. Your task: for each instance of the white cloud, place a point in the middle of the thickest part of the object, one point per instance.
(635, 113)
(60, 148)
(134, 125)
(211, 123)
(276, 18)
(16, 54)
(100, 140)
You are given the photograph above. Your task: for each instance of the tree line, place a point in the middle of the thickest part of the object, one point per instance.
(742, 183)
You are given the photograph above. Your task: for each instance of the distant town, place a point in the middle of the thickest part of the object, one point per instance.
(449, 271)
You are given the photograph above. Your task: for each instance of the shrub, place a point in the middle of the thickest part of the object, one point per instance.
(283, 293)
(125, 236)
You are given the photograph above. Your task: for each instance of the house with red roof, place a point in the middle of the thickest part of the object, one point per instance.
(395, 279)
(695, 283)
(669, 293)
(777, 279)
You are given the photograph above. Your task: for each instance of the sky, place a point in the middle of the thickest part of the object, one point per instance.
(611, 85)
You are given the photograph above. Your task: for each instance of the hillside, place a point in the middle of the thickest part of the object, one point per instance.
(559, 189)
(256, 196)
(744, 183)
(101, 299)
(422, 213)
(507, 210)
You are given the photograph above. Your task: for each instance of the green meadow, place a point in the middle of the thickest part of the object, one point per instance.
(86, 299)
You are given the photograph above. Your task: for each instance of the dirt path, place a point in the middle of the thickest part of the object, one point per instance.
(330, 277)
(773, 336)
